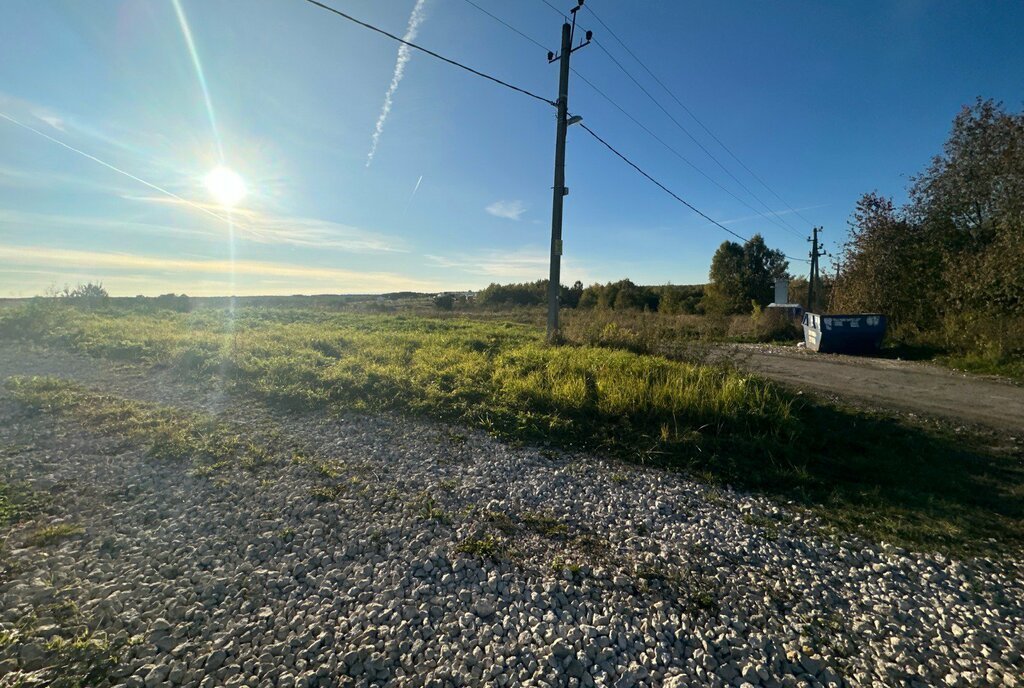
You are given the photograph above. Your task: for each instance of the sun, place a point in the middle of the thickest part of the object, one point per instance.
(226, 186)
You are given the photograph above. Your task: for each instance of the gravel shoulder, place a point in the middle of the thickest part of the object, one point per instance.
(905, 386)
(454, 559)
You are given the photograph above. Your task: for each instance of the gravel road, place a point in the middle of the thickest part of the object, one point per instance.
(605, 574)
(911, 387)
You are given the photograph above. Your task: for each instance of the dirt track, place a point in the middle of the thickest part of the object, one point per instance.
(919, 388)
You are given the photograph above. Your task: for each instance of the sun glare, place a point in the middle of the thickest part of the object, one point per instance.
(226, 186)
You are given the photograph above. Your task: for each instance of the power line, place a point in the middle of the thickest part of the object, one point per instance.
(541, 98)
(667, 190)
(693, 116)
(674, 151)
(771, 214)
(782, 225)
(429, 52)
(559, 12)
(508, 26)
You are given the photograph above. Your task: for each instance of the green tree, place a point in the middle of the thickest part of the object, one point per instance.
(885, 266)
(952, 259)
(571, 296)
(741, 275)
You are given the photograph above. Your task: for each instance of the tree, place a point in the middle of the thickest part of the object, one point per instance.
(763, 267)
(571, 297)
(174, 302)
(621, 295)
(970, 205)
(952, 259)
(885, 266)
(502, 295)
(741, 275)
(86, 292)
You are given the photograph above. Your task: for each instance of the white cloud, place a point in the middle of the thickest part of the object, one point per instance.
(404, 53)
(53, 120)
(107, 266)
(249, 225)
(510, 210)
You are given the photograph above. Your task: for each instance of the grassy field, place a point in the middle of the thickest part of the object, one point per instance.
(862, 473)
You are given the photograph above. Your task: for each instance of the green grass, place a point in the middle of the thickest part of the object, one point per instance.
(52, 535)
(1012, 368)
(168, 434)
(978, 363)
(486, 546)
(863, 473)
(544, 524)
(86, 658)
(19, 502)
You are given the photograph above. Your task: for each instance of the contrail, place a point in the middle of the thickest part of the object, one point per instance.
(413, 194)
(415, 19)
(151, 185)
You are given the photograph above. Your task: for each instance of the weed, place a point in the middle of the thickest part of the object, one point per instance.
(703, 598)
(51, 535)
(168, 434)
(486, 546)
(326, 493)
(560, 564)
(84, 660)
(499, 519)
(449, 484)
(829, 631)
(766, 523)
(593, 544)
(18, 502)
(427, 508)
(715, 496)
(544, 524)
(456, 438)
(62, 611)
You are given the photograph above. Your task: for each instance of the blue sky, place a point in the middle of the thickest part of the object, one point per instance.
(824, 101)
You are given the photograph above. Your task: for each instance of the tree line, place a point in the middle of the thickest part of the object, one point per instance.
(742, 280)
(947, 267)
(620, 295)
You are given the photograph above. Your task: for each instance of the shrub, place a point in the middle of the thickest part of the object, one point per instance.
(774, 325)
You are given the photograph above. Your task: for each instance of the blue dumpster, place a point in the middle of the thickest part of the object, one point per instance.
(856, 333)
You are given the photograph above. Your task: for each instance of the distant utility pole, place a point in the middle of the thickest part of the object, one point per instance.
(559, 190)
(817, 250)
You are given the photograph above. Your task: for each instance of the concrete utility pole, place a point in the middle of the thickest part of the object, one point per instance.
(559, 190)
(817, 250)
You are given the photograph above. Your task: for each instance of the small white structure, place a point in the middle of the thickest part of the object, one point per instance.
(781, 290)
(794, 310)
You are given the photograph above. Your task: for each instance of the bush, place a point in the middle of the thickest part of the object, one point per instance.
(88, 295)
(444, 302)
(774, 325)
(174, 302)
